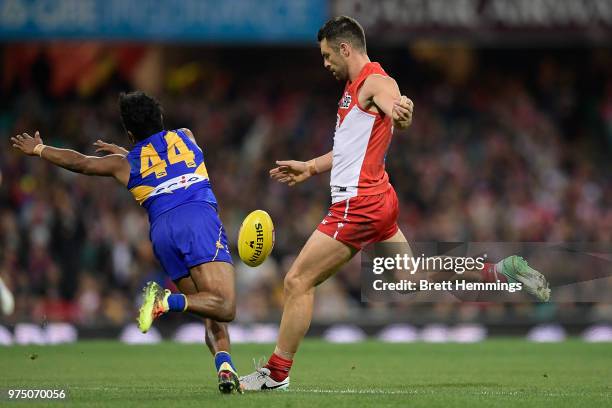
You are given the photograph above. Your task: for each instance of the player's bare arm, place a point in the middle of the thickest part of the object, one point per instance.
(294, 171)
(382, 94)
(110, 148)
(114, 165)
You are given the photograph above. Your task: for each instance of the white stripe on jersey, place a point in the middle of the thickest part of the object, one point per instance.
(350, 144)
(348, 200)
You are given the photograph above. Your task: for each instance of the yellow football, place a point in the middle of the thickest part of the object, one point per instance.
(256, 238)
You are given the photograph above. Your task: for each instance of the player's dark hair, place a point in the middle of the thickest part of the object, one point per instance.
(343, 29)
(140, 114)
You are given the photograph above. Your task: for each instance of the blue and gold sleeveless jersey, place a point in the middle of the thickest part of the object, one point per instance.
(167, 170)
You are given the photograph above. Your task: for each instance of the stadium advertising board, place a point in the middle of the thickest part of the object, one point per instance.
(392, 21)
(179, 20)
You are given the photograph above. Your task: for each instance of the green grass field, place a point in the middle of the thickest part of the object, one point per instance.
(510, 373)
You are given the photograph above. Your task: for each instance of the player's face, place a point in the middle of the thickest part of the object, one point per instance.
(333, 61)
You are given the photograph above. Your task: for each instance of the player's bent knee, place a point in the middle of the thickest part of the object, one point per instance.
(295, 283)
(226, 312)
(221, 305)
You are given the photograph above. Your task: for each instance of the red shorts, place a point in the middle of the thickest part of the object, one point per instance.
(362, 220)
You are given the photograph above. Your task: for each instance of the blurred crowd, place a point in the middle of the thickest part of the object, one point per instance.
(506, 145)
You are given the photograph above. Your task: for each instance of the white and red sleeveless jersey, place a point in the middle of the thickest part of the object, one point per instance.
(361, 141)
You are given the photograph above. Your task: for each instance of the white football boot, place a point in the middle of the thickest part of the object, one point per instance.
(260, 380)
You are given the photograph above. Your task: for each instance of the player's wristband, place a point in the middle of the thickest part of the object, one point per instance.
(38, 149)
(312, 167)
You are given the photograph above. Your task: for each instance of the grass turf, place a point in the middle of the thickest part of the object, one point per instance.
(493, 373)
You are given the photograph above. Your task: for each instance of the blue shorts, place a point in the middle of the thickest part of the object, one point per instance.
(189, 235)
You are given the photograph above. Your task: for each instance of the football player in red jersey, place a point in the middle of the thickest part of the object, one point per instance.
(364, 206)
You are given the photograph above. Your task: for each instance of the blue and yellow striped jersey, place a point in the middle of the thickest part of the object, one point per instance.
(167, 170)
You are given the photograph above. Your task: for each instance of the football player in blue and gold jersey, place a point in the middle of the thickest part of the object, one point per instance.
(166, 174)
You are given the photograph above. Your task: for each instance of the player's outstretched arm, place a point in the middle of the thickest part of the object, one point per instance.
(110, 148)
(385, 94)
(293, 171)
(114, 165)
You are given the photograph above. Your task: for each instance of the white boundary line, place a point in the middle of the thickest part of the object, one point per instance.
(374, 391)
(534, 393)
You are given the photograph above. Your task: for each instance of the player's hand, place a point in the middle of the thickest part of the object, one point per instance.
(290, 172)
(26, 143)
(402, 112)
(110, 148)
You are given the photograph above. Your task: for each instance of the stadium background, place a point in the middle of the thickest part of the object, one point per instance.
(511, 141)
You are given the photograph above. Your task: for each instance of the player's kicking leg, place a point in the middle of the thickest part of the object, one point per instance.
(209, 293)
(320, 258)
(510, 269)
